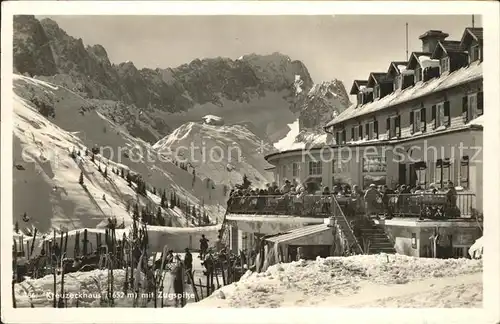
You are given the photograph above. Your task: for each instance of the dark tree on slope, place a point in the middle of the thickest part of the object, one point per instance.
(123, 174)
(99, 168)
(80, 180)
(135, 214)
(246, 183)
(92, 158)
(16, 227)
(105, 172)
(159, 217)
(129, 179)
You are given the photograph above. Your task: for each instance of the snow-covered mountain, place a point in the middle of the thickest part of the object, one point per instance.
(259, 89)
(317, 107)
(49, 122)
(222, 153)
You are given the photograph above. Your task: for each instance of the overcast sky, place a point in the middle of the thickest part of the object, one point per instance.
(342, 47)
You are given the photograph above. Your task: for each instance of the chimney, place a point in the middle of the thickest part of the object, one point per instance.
(431, 38)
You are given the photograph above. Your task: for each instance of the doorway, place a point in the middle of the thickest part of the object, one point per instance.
(402, 173)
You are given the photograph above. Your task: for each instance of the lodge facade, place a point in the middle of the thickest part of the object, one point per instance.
(419, 123)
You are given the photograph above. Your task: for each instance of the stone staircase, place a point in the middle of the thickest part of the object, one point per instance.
(378, 241)
(365, 231)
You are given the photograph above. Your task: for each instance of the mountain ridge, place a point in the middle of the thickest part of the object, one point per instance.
(152, 102)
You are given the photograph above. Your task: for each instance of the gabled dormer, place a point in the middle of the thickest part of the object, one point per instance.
(472, 43)
(381, 83)
(395, 72)
(424, 68)
(356, 90)
(450, 55)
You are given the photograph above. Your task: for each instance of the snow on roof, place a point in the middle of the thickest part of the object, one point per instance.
(477, 121)
(463, 75)
(401, 68)
(212, 117)
(408, 72)
(298, 233)
(365, 89)
(426, 61)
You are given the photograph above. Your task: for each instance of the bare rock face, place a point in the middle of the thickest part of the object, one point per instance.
(32, 51)
(266, 91)
(323, 101)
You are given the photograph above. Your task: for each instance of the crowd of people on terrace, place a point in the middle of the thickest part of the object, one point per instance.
(304, 198)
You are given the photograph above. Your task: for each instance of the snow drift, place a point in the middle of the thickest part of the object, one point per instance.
(362, 280)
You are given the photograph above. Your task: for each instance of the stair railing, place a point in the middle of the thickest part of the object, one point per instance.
(337, 211)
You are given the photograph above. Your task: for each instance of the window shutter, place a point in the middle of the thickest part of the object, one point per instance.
(423, 120)
(344, 135)
(465, 113)
(367, 130)
(360, 131)
(434, 120)
(337, 139)
(398, 126)
(447, 115)
(388, 125)
(480, 103)
(375, 128)
(412, 120)
(352, 133)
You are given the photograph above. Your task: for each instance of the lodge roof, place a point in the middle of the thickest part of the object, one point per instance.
(455, 78)
(414, 59)
(356, 86)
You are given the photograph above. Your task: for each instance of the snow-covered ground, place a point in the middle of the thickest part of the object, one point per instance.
(296, 139)
(211, 148)
(89, 287)
(358, 281)
(45, 177)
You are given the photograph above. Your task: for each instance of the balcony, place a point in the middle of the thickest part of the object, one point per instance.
(424, 206)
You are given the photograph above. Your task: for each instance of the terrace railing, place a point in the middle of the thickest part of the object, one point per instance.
(426, 205)
(431, 206)
(305, 206)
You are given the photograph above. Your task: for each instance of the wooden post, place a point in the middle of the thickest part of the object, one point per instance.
(66, 244)
(191, 279)
(33, 242)
(77, 245)
(222, 271)
(201, 288)
(28, 249)
(217, 279)
(54, 263)
(208, 283)
(85, 241)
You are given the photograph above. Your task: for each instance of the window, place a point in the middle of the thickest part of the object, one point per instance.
(418, 74)
(283, 171)
(378, 180)
(376, 91)
(421, 172)
(474, 53)
(360, 132)
(392, 126)
(340, 166)
(441, 114)
(472, 106)
(370, 130)
(295, 169)
(464, 172)
(445, 64)
(315, 168)
(413, 240)
(360, 98)
(397, 82)
(442, 172)
(415, 121)
(375, 164)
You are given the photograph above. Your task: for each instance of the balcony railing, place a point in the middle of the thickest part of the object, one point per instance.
(430, 206)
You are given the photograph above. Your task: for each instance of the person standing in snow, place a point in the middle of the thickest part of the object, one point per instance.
(372, 196)
(203, 246)
(178, 282)
(188, 263)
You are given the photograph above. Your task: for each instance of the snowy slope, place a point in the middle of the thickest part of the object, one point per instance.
(48, 190)
(223, 154)
(358, 281)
